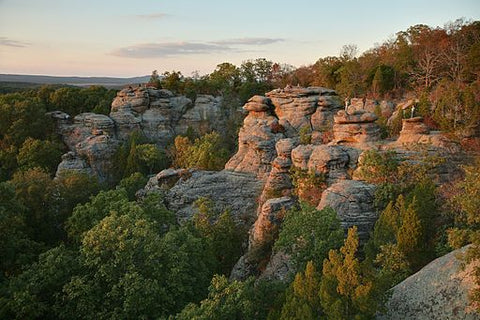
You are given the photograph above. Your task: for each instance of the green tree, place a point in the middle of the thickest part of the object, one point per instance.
(308, 234)
(347, 288)
(151, 158)
(223, 235)
(132, 184)
(235, 300)
(302, 299)
(35, 294)
(34, 190)
(205, 153)
(37, 153)
(409, 237)
(155, 80)
(18, 248)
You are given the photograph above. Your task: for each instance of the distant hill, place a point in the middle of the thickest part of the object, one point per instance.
(76, 81)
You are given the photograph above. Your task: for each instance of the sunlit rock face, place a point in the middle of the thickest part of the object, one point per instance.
(438, 291)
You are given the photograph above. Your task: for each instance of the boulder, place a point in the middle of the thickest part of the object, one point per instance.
(296, 105)
(439, 291)
(414, 132)
(353, 202)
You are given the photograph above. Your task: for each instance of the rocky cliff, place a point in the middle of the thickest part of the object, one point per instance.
(158, 114)
(288, 137)
(439, 291)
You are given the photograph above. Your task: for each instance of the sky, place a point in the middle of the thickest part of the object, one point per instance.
(132, 38)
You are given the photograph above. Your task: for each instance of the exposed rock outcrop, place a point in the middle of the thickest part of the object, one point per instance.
(262, 236)
(332, 160)
(228, 190)
(414, 131)
(439, 291)
(353, 202)
(71, 162)
(158, 114)
(357, 129)
(257, 139)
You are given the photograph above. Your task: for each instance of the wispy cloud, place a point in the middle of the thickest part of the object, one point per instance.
(249, 41)
(4, 41)
(168, 49)
(153, 16)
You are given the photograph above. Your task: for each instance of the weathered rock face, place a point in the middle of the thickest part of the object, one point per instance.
(236, 191)
(265, 229)
(353, 202)
(153, 112)
(71, 162)
(298, 107)
(256, 139)
(414, 131)
(204, 115)
(438, 292)
(386, 108)
(98, 152)
(281, 114)
(332, 160)
(356, 129)
(262, 236)
(158, 114)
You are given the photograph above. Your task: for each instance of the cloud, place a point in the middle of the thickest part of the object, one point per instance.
(249, 41)
(169, 49)
(153, 16)
(4, 41)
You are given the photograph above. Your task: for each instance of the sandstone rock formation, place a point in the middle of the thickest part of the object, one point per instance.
(71, 162)
(414, 132)
(257, 139)
(439, 291)
(158, 114)
(356, 129)
(353, 202)
(332, 160)
(228, 190)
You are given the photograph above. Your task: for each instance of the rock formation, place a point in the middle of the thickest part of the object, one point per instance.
(439, 291)
(228, 190)
(291, 128)
(353, 202)
(257, 139)
(414, 132)
(356, 129)
(158, 114)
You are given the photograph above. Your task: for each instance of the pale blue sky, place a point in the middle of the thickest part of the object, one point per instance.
(131, 38)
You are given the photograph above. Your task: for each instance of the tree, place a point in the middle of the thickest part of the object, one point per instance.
(35, 294)
(235, 300)
(132, 184)
(37, 153)
(155, 80)
(18, 248)
(223, 235)
(173, 81)
(205, 153)
(151, 158)
(410, 237)
(34, 189)
(302, 299)
(308, 234)
(347, 289)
